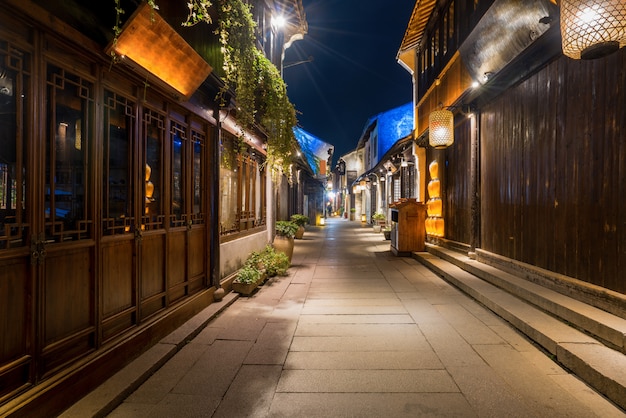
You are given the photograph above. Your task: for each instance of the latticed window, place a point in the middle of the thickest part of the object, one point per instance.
(117, 185)
(241, 186)
(70, 122)
(15, 73)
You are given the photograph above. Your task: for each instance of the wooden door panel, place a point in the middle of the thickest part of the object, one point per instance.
(177, 265)
(117, 277)
(118, 287)
(68, 306)
(197, 259)
(152, 274)
(176, 255)
(152, 265)
(15, 321)
(197, 252)
(68, 293)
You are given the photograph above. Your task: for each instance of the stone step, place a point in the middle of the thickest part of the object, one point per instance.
(599, 365)
(602, 325)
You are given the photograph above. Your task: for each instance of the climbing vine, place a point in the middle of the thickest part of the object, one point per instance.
(198, 12)
(260, 91)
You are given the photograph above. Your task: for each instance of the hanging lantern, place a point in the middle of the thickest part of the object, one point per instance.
(441, 128)
(591, 29)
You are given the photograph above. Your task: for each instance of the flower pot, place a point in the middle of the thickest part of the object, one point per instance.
(387, 235)
(300, 232)
(284, 245)
(245, 289)
(377, 228)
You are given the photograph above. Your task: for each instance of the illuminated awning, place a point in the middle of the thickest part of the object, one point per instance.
(154, 49)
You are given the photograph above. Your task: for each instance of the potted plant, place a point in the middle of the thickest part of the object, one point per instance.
(378, 219)
(387, 232)
(248, 278)
(276, 263)
(299, 220)
(352, 213)
(285, 233)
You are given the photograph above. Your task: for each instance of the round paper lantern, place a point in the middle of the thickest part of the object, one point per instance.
(592, 29)
(441, 128)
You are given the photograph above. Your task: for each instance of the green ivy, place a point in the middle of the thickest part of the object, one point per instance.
(198, 12)
(260, 91)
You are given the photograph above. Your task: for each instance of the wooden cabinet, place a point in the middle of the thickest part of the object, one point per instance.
(408, 233)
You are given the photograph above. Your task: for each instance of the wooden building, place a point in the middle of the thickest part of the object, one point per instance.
(534, 181)
(126, 199)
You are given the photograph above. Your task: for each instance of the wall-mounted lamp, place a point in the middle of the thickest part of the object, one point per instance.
(173, 64)
(441, 128)
(592, 29)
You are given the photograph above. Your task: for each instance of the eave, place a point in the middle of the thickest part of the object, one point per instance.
(414, 33)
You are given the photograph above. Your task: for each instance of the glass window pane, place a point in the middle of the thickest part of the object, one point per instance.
(118, 203)
(198, 169)
(14, 85)
(69, 117)
(179, 140)
(228, 186)
(154, 132)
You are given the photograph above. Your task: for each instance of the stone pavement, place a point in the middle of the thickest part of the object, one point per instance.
(352, 331)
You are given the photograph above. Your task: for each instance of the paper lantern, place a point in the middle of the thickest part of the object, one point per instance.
(441, 128)
(592, 29)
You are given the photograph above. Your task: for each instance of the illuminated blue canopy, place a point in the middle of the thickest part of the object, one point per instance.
(315, 150)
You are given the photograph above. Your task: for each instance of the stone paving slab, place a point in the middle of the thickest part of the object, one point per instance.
(357, 319)
(351, 330)
(365, 343)
(373, 360)
(369, 381)
(375, 405)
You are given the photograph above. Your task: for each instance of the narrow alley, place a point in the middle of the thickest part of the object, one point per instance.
(353, 331)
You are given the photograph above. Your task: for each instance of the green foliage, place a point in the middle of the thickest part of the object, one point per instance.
(286, 229)
(378, 216)
(248, 274)
(198, 12)
(276, 263)
(273, 262)
(260, 91)
(299, 219)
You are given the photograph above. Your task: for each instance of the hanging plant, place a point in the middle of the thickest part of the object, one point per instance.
(198, 12)
(236, 35)
(277, 115)
(260, 91)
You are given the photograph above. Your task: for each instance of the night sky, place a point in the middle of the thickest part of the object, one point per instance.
(354, 73)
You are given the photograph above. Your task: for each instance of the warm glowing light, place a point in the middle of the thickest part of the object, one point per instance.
(78, 139)
(441, 128)
(591, 29)
(149, 42)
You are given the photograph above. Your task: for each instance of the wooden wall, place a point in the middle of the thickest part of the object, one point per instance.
(553, 168)
(457, 197)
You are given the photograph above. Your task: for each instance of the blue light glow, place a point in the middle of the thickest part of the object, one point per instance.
(314, 149)
(394, 125)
